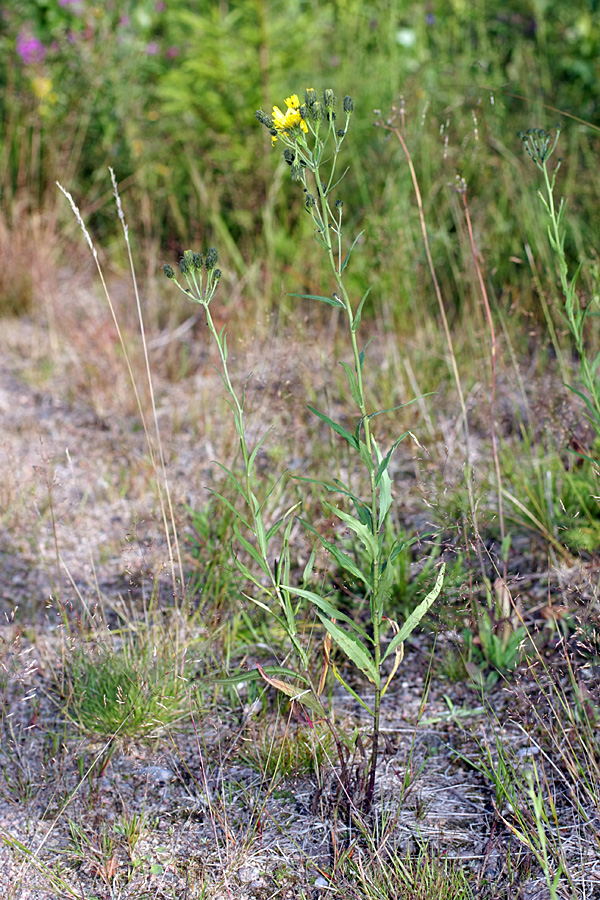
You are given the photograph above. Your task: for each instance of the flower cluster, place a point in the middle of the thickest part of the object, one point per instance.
(289, 122)
(190, 266)
(539, 144)
(299, 121)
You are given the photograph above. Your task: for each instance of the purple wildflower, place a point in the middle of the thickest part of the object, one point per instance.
(152, 49)
(30, 49)
(430, 19)
(161, 6)
(172, 52)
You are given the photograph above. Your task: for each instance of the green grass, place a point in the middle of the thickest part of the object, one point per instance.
(139, 688)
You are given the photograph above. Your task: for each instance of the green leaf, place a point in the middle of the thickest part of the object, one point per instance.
(254, 675)
(252, 458)
(329, 300)
(231, 507)
(364, 534)
(384, 463)
(350, 690)
(384, 588)
(249, 548)
(347, 259)
(361, 355)
(236, 483)
(358, 315)
(328, 608)
(354, 649)
(353, 382)
(339, 429)
(309, 565)
(385, 484)
(366, 456)
(245, 571)
(223, 342)
(342, 559)
(275, 528)
(417, 614)
(385, 497)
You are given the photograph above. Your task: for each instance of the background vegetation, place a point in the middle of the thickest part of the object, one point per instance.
(500, 483)
(163, 93)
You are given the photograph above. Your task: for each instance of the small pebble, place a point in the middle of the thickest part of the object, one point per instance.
(158, 774)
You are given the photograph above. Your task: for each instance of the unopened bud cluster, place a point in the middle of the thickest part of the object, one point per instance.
(539, 144)
(190, 266)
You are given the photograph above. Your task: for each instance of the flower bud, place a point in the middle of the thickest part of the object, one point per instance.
(289, 155)
(310, 97)
(339, 204)
(197, 261)
(169, 271)
(264, 118)
(348, 105)
(212, 258)
(310, 201)
(217, 274)
(184, 267)
(328, 99)
(189, 260)
(317, 111)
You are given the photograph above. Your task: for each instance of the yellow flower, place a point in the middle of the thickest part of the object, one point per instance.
(290, 119)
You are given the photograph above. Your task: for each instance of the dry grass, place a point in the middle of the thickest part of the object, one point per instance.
(221, 795)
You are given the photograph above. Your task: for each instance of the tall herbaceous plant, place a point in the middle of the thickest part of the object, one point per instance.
(311, 135)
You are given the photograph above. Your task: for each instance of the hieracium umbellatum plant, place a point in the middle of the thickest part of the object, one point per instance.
(540, 145)
(311, 135)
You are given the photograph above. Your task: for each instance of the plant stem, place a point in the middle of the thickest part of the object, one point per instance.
(365, 419)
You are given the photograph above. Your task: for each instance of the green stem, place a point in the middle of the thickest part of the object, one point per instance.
(376, 612)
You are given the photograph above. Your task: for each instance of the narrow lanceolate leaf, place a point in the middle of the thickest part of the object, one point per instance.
(347, 259)
(417, 614)
(358, 315)
(399, 656)
(231, 507)
(342, 559)
(361, 355)
(298, 694)
(236, 483)
(330, 300)
(252, 458)
(326, 657)
(254, 675)
(223, 342)
(328, 608)
(353, 382)
(385, 498)
(350, 690)
(384, 463)
(250, 549)
(366, 456)
(245, 571)
(354, 649)
(364, 534)
(275, 528)
(385, 486)
(339, 429)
